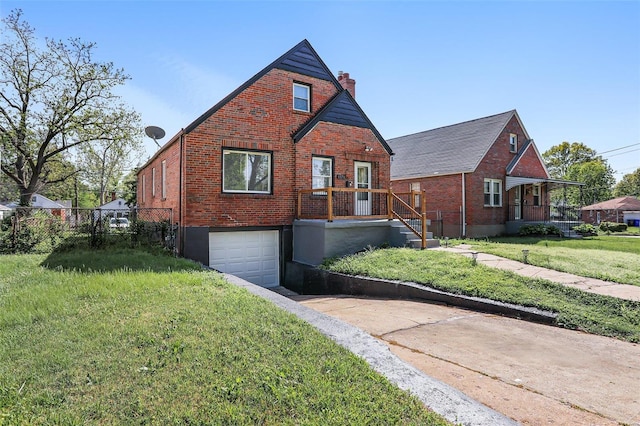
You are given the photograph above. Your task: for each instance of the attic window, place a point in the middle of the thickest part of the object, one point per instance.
(513, 142)
(301, 97)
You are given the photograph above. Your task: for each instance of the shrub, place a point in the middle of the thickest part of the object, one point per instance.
(585, 229)
(30, 232)
(540, 229)
(613, 227)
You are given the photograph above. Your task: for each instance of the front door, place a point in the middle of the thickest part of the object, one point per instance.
(517, 201)
(363, 181)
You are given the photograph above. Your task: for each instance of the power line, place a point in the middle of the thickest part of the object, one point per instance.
(622, 153)
(618, 149)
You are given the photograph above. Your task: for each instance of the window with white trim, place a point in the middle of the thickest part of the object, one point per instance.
(246, 171)
(301, 97)
(513, 142)
(536, 194)
(153, 182)
(322, 172)
(492, 193)
(164, 179)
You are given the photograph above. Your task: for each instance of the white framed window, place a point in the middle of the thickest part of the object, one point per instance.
(163, 179)
(301, 97)
(246, 171)
(153, 182)
(322, 172)
(513, 142)
(492, 193)
(144, 187)
(535, 191)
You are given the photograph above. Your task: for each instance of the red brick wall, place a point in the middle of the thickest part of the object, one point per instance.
(529, 165)
(262, 118)
(172, 156)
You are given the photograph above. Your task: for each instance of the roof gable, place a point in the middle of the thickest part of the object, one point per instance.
(301, 59)
(342, 109)
(458, 148)
(529, 147)
(44, 202)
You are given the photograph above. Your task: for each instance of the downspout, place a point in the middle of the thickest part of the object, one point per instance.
(464, 208)
(180, 196)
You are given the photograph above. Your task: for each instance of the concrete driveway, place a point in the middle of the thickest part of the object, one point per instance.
(532, 373)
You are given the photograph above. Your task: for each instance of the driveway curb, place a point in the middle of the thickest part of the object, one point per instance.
(439, 397)
(320, 282)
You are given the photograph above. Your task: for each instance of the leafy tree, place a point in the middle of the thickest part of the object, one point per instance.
(560, 158)
(53, 98)
(129, 187)
(104, 162)
(598, 180)
(579, 163)
(629, 185)
(8, 189)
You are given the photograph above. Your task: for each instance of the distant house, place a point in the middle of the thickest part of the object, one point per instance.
(480, 178)
(235, 177)
(618, 210)
(117, 207)
(56, 208)
(4, 211)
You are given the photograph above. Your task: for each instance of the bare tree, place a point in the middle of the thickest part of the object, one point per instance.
(54, 97)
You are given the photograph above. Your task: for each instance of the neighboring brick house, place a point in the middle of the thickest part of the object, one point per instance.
(617, 210)
(232, 176)
(483, 177)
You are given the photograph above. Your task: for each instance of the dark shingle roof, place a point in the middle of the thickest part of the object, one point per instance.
(342, 109)
(446, 150)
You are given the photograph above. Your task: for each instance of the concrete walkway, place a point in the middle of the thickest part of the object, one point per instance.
(592, 285)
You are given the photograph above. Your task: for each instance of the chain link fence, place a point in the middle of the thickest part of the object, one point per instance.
(41, 230)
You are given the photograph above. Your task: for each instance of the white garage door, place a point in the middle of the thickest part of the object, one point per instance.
(250, 255)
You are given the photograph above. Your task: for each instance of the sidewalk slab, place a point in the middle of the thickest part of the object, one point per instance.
(591, 285)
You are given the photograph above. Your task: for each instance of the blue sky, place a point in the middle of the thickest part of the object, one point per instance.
(571, 69)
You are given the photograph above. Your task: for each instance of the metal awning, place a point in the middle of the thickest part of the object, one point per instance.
(513, 181)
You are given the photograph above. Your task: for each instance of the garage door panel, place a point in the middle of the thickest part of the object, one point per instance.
(251, 255)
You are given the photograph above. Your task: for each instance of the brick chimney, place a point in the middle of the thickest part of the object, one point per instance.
(347, 83)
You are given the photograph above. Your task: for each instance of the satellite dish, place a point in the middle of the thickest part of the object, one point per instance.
(155, 133)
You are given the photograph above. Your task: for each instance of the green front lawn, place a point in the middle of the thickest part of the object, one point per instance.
(454, 273)
(609, 258)
(131, 337)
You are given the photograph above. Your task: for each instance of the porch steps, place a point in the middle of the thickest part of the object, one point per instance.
(571, 234)
(404, 237)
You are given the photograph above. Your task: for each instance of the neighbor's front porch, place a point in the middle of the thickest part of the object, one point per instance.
(532, 201)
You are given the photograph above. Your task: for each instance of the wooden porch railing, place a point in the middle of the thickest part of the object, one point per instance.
(358, 204)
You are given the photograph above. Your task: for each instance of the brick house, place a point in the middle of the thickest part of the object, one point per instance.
(482, 177)
(233, 175)
(617, 210)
